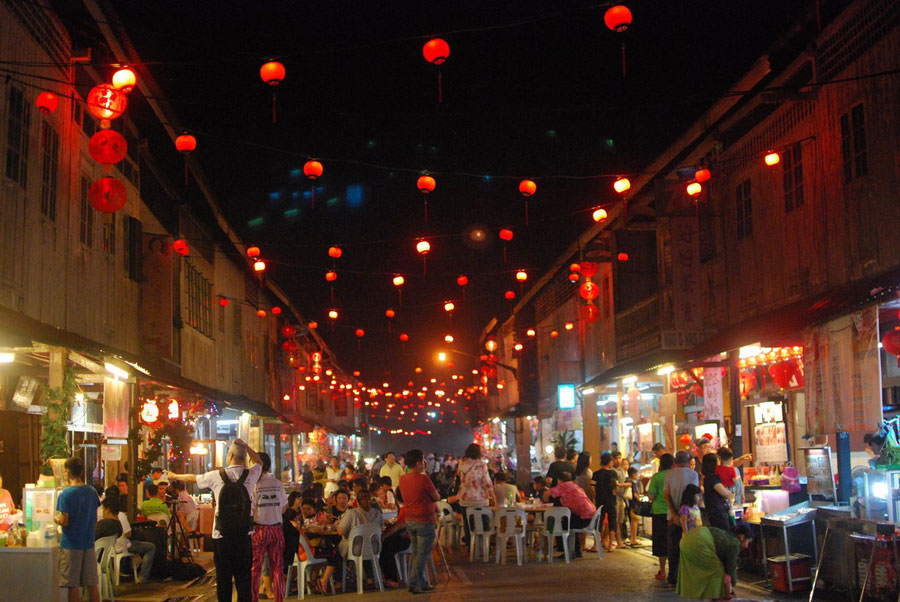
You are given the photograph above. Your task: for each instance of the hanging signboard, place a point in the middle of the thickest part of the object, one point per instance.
(111, 453)
(713, 394)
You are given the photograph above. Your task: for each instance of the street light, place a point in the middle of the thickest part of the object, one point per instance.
(442, 356)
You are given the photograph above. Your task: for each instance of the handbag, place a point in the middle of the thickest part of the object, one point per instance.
(642, 507)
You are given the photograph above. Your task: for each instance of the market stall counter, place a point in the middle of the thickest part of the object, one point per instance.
(34, 571)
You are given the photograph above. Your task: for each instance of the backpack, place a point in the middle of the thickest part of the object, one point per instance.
(235, 516)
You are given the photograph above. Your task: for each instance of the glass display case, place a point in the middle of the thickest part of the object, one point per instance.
(882, 495)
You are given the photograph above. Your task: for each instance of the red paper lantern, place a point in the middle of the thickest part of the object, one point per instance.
(107, 147)
(180, 246)
(436, 51)
(622, 185)
(185, 144)
(623, 256)
(288, 331)
(312, 325)
(360, 333)
(313, 170)
(272, 73)
(590, 313)
(891, 344)
(335, 252)
(694, 188)
(261, 313)
(589, 290)
(390, 313)
(404, 337)
(124, 80)
(426, 184)
(423, 247)
(506, 234)
(702, 175)
(527, 187)
(330, 276)
(462, 280)
(589, 268)
(47, 102)
(223, 301)
(575, 267)
(617, 18)
(107, 195)
(782, 373)
(573, 277)
(252, 252)
(276, 311)
(105, 102)
(290, 346)
(510, 295)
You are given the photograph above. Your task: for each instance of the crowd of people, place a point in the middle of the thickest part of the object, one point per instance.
(260, 528)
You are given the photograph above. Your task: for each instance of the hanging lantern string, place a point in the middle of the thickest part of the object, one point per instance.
(255, 59)
(591, 107)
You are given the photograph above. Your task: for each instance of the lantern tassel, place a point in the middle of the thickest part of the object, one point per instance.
(424, 265)
(440, 87)
(186, 173)
(399, 297)
(426, 209)
(274, 107)
(389, 326)
(313, 204)
(526, 212)
(624, 70)
(504, 254)
(332, 294)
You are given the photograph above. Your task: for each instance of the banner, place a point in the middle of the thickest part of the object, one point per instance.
(713, 394)
(843, 374)
(686, 288)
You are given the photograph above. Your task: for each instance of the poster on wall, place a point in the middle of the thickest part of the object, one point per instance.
(115, 408)
(819, 473)
(843, 373)
(771, 443)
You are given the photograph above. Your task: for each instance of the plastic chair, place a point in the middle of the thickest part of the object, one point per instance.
(367, 540)
(593, 528)
(118, 557)
(447, 522)
(557, 523)
(302, 567)
(105, 548)
(478, 517)
(404, 557)
(159, 517)
(511, 524)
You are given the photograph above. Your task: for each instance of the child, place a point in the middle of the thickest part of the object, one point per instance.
(690, 509)
(632, 504)
(728, 474)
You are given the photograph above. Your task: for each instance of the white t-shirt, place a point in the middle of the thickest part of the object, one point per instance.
(268, 499)
(395, 472)
(122, 543)
(332, 474)
(212, 480)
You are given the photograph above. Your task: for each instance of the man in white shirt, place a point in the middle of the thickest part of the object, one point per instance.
(269, 501)
(363, 514)
(144, 549)
(391, 469)
(233, 555)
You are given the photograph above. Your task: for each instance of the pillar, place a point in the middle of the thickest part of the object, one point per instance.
(734, 397)
(522, 430)
(591, 427)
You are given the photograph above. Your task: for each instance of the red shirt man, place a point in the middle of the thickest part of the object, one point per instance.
(419, 497)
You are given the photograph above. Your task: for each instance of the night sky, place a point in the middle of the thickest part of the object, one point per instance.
(531, 89)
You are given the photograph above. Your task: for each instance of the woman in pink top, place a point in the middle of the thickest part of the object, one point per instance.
(569, 495)
(475, 486)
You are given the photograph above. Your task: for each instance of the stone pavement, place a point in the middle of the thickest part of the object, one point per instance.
(623, 573)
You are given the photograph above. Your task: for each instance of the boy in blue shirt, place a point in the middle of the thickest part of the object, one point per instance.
(76, 513)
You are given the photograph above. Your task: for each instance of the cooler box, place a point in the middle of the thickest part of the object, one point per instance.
(800, 573)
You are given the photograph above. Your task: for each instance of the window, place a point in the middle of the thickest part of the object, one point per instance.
(133, 249)
(109, 233)
(199, 300)
(87, 215)
(792, 166)
(744, 210)
(18, 119)
(853, 144)
(49, 169)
